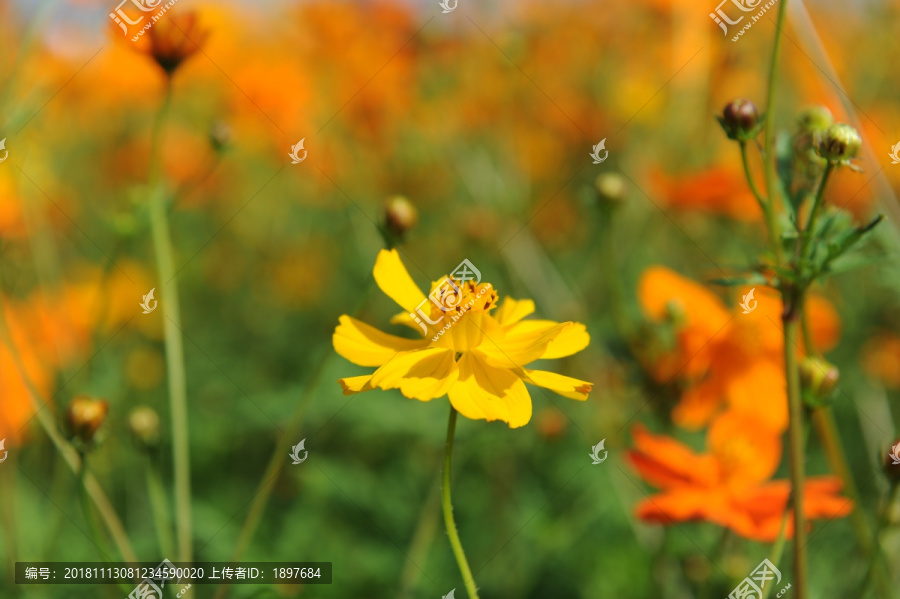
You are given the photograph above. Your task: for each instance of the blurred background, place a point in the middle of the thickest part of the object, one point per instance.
(483, 118)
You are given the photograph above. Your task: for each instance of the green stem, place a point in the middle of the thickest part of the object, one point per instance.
(447, 504)
(69, 454)
(162, 243)
(421, 542)
(771, 173)
(763, 204)
(615, 288)
(277, 460)
(795, 441)
(86, 509)
(159, 507)
(809, 231)
(876, 557)
(777, 550)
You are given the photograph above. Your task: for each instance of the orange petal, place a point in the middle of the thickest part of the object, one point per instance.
(664, 462)
(660, 289)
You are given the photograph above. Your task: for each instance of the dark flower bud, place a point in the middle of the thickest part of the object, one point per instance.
(85, 415)
(818, 379)
(144, 424)
(839, 143)
(400, 215)
(610, 188)
(892, 462)
(740, 120)
(174, 39)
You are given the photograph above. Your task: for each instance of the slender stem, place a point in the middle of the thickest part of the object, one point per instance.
(763, 203)
(69, 454)
(615, 288)
(159, 507)
(86, 508)
(810, 230)
(448, 511)
(165, 263)
(795, 442)
(422, 538)
(771, 174)
(777, 550)
(882, 524)
(277, 460)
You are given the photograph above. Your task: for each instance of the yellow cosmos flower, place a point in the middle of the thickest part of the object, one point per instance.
(475, 358)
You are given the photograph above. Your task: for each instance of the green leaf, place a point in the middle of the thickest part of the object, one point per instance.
(753, 278)
(838, 238)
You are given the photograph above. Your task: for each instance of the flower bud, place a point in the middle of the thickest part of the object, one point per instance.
(144, 424)
(85, 415)
(610, 188)
(400, 215)
(740, 120)
(814, 118)
(219, 136)
(839, 143)
(818, 379)
(174, 39)
(892, 462)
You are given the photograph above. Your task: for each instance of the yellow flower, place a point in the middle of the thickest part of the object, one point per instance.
(475, 358)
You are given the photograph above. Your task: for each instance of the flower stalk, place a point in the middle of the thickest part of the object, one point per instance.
(162, 244)
(447, 504)
(795, 444)
(769, 152)
(67, 451)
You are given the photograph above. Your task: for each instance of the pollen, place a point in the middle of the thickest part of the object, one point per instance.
(455, 298)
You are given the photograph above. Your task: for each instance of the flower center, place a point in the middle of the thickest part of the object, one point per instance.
(452, 298)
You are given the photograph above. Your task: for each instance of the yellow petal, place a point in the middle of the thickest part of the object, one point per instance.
(487, 393)
(512, 311)
(564, 385)
(421, 375)
(519, 346)
(406, 320)
(367, 346)
(570, 340)
(356, 384)
(394, 280)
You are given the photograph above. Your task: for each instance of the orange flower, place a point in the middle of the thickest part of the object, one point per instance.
(880, 357)
(716, 190)
(173, 39)
(726, 357)
(49, 333)
(727, 486)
